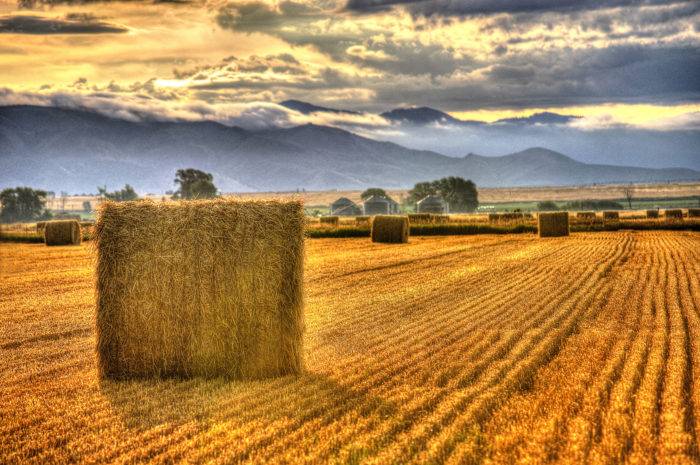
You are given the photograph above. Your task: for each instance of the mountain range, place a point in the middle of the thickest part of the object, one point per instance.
(422, 116)
(76, 151)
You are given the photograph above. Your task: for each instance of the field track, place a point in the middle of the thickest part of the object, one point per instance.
(464, 349)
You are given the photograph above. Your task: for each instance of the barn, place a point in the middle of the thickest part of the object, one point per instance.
(376, 205)
(345, 207)
(431, 204)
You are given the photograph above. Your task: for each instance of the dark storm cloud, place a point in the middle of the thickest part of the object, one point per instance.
(632, 74)
(75, 23)
(489, 7)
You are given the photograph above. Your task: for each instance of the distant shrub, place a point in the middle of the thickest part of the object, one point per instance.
(547, 205)
(593, 205)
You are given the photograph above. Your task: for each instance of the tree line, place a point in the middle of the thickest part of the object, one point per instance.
(24, 204)
(459, 193)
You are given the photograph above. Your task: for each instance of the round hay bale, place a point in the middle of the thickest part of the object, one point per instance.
(674, 214)
(553, 224)
(330, 221)
(652, 214)
(586, 216)
(62, 232)
(390, 229)
(694, 213)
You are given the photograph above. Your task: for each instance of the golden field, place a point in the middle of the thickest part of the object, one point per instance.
(463, 349)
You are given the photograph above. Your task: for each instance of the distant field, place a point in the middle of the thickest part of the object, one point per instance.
(507, 198)
(478, 349)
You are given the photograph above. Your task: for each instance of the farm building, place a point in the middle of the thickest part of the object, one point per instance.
(431, 204)
(376, 205)
(393, 206)
(345, 207)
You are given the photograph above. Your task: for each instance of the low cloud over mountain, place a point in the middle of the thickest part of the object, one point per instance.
(76, 151)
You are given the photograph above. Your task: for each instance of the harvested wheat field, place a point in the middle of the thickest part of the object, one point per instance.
(463, 349)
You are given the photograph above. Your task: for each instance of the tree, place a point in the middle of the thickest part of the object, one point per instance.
(547, 205)
(459, 193)
(373, 191)
(128, 193)
(628, 192)
(22, 204)
(421, 191)
(87, 207)
(194, 184)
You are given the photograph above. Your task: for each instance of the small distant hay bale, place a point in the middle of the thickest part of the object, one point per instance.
(694, 213)
(553, 224)
(610, 215)
(362, 220)
(62, 232)
(440, 219)
(585, 216)
(511, 217)
(330, 220)
(200, 288)
(419, 218)
(652, 214)
(674, 214)
(494, 217)
(391, 229)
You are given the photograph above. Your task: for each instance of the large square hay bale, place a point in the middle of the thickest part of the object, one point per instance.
(652, 214)
(391, 229)
(553, 224)
(330, 220)
(694, 213)
(200, 288)
(674, 214)
(62, 232)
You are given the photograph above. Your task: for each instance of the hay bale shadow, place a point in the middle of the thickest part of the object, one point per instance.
(201, 403)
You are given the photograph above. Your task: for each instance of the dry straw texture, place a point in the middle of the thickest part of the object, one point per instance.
(62, 232)
(675, 214)
(329, 220)
(200, 288)
(553, 224)
(611, 215)
(652, 213)
(420, 218)
(693, 212)
(440, 218)
(392, 229)
(362, 220)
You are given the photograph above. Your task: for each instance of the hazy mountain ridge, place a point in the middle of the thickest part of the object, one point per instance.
(77, 151)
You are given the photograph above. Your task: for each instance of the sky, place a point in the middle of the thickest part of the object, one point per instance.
(613, 62)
